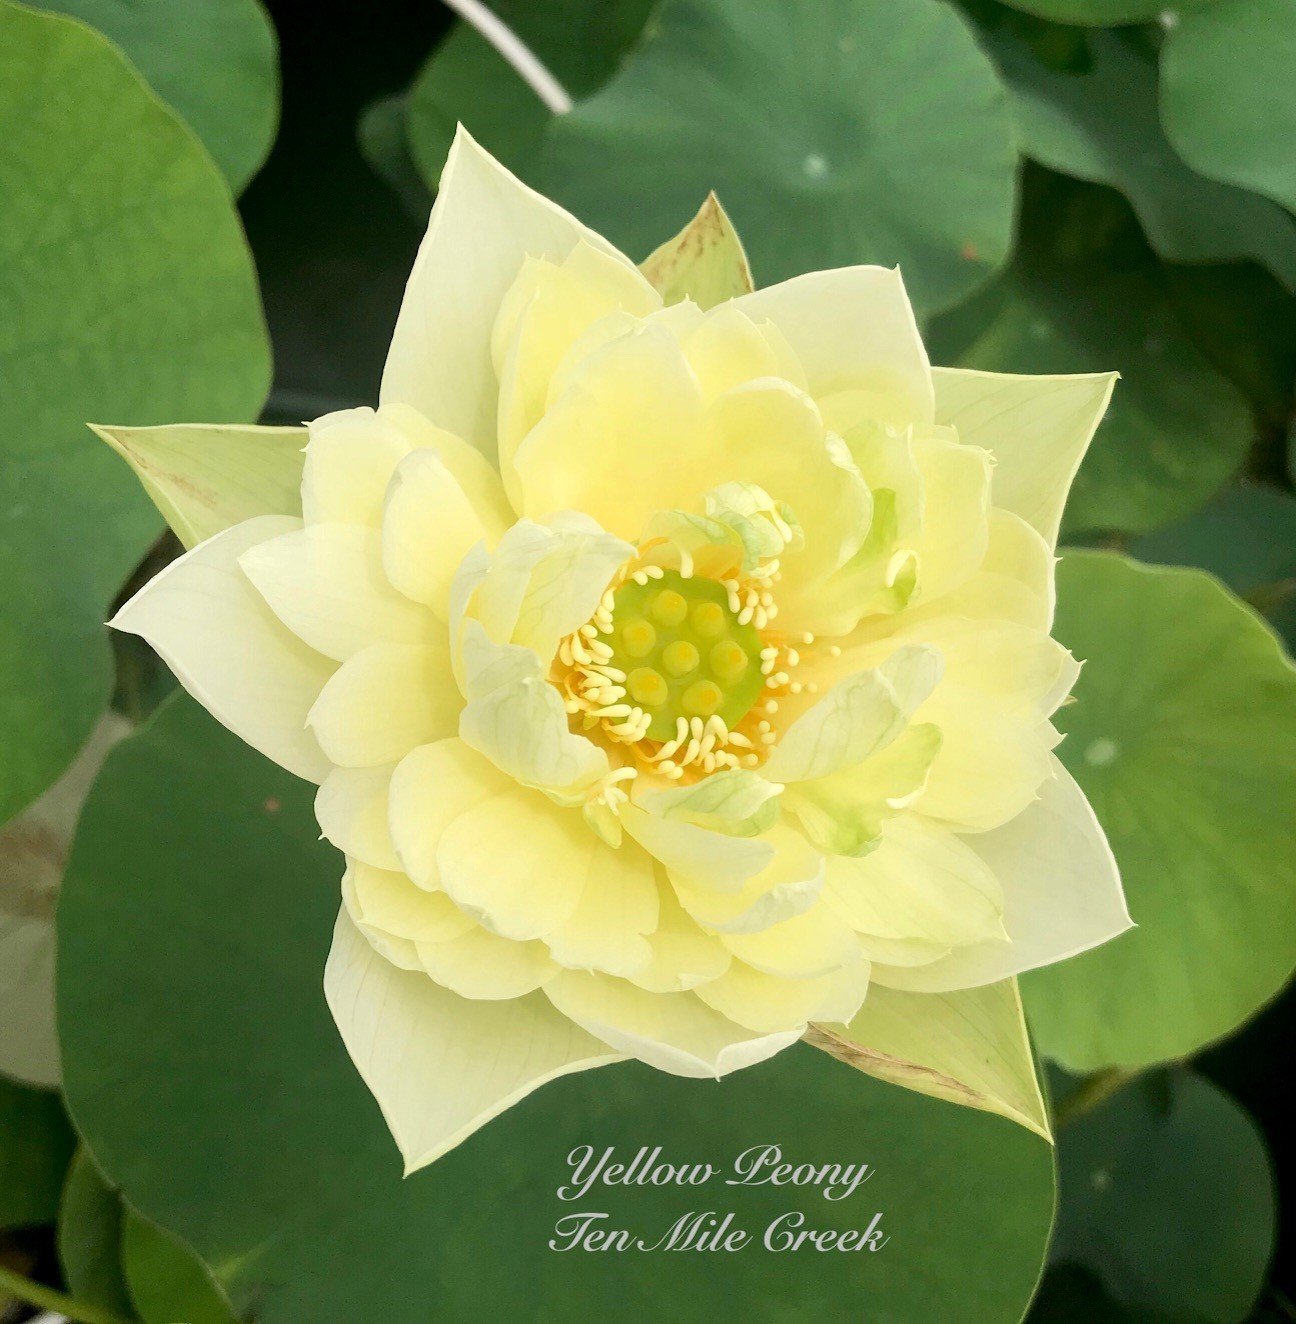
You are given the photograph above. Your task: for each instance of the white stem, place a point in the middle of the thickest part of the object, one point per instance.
(523, 59)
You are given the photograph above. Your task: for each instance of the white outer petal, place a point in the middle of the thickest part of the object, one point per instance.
(852, 328)
(1037, 429)
(484, 223)
(440, 1065)
(230, 651)
(1062, 894)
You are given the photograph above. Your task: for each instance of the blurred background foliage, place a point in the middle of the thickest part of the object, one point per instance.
(1068, 185)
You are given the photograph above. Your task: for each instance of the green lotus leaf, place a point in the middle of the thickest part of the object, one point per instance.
(1183, 737)
(384, 143)
(1102, 125)
(1167, 1198)
(834, 132)
(581, 42)
(89, 1238)
(1227, 94)
(117, 1261)
(1100, 13)
(215, 64)
(36, 1145)
(128, 296)
(1247, 538)
(1176, 429)
(165, 1279)
(1244, 322)
(194, 927)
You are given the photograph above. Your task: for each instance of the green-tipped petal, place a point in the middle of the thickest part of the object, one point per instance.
(735, 801)
(1036, 428)
(705, 262)
(969, 1047)
(857, 717)
(204, 479)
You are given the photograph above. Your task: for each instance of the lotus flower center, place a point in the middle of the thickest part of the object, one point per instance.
(683, 652)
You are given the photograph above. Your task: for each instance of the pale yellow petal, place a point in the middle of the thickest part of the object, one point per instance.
(544, 581)
(478, 964)
(764, 1003)
(351, 808)
(389, 902)
(991, 763)
(385, 701)
(727, 349)
(682, 955)
(326, 583)
(1016, 666)
(350, 459)
(707, 858)
(439, 1065)
(229, 650)
(921, 882)
(475, 474)
(431, 787)
(1062, 893)
(857, 717)
(1014, 582)
(518, 863)
(622, 442)
(617, 908)
(900, 951)
(428, 525)
(517, 720)
(671, 1031)
(843, 813)
(846, 991)
(1037, 429)
(955, 511)
(550, 306)
(771, 434)
(853, 329)
(789, 885)
(735, 801)
(816, 942)
(484, 224)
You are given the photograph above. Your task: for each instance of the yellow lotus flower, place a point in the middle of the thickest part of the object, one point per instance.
(669, 675)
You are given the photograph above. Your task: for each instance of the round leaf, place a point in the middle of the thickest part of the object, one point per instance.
(33, 851)
(127, 296)
(384, 144)
(215, 64)
(166, 1280)
(1167, 1197)
(1176, 430)
(1100, 13)
(203, 1067)
(833, 131)
(89, 1238)
(1102, 125)
(1247, 537)
(580, 42)
(1183, 736)
(1227, 94)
